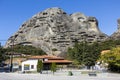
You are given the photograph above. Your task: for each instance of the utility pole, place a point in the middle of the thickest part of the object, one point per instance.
(84, 48)
(0, 45)
(11, 56)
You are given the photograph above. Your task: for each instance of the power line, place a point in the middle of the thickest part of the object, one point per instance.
(3, 40)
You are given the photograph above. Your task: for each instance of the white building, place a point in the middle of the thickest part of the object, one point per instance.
(31, 63)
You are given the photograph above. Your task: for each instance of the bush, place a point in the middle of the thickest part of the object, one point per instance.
(54, 49)
(70, 73)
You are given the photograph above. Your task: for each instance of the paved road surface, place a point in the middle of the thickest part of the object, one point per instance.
(58, 76)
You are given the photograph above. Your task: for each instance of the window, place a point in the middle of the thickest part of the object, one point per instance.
(45, 59)
(32, 66)
(26, 67)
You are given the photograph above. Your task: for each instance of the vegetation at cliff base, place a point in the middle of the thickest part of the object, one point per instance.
(113, 59)
(2, 54)
(29, 50)
(84, 53)
(87, 54)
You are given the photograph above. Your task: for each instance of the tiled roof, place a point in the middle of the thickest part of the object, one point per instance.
(58, 61)
(45, 56)
(51, 59)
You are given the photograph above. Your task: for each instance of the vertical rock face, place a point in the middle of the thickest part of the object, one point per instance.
(118, 21)
(116, 35)
(55, 29)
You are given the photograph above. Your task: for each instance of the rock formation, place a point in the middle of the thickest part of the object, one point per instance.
(116, 35)
(54, 29)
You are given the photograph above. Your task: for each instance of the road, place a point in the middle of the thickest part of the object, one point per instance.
(58, 76)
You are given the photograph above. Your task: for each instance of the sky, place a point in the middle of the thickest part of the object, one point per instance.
(13, 13)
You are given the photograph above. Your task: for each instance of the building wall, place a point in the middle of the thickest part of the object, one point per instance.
(31, 63)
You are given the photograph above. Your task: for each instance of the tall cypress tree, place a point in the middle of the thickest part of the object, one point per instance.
(39, 66)
(53, 67)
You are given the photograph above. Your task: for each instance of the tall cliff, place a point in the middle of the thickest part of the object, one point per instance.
(116, 34)
(55, 29)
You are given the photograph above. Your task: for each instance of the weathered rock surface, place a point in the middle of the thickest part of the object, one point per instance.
(55, 29)
(116, 35)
